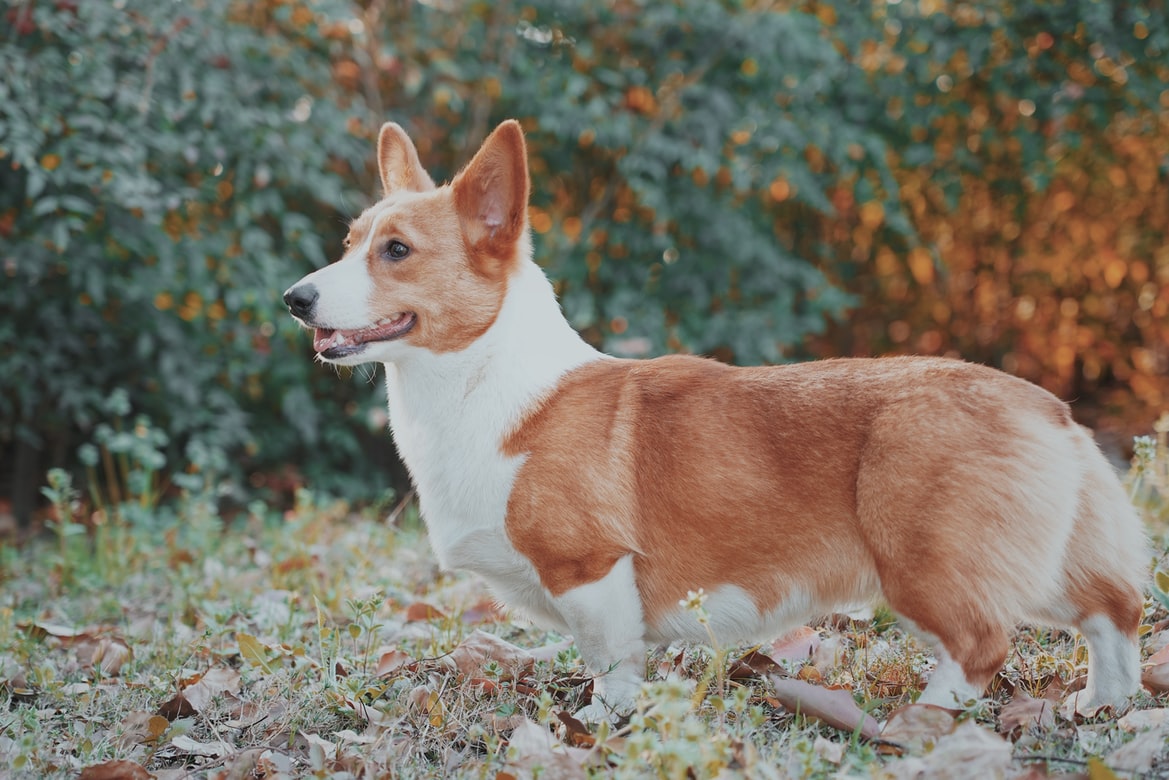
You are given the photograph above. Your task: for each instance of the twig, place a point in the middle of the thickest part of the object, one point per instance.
(392, 520)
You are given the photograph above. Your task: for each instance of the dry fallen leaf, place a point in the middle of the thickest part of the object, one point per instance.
(253, 651)
(917, 725)
(140, 727)
(193, 747)
(115, 770)
(533, 751)
(213, 682)
(327, 748)
(1139, 755)
(968, 751)
(1160, 641)
(480, 647)
(835, 707)
(1156, 678)
(1139, 720)
(576, 733)
(1024, 713)
(41, 629)
(420, 610)
(107, 653)
(754, 664)
(797, 645)
(391, 661)
(826, 749)
(197, 692)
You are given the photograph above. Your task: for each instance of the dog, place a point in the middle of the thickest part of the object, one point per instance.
(593, 494)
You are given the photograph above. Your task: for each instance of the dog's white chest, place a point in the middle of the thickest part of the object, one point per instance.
(450, 414)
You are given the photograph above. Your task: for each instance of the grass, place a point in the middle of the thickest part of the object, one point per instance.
(325, 642)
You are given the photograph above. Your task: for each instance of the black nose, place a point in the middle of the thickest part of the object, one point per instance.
(301, 299)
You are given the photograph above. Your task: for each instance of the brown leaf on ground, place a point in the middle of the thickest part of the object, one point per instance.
(421, 611)
(186, 745)
(41, 629)
(116, 770)
(797, 645)
(107, 653)
(968, 751)
(537, 753)
(1024, 713)
(480, 647)
(246, 714)
(754, 664)
(391, 661)
(12, 673)
(198, 691)
(1159, 657)
(1139, 755)
(1156, 678)
(176, 707)
(835, 707)
(141, 727)
(575, 733)
(916, 725)
(1140, 720)
(213, 682)
(243, 765)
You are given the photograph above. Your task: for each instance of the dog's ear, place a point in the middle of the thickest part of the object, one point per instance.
(491, 193)
(397, 162)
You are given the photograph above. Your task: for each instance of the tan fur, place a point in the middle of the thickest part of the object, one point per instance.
(823, 476)
(455, 278)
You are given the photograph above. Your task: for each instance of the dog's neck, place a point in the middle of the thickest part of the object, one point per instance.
(450, 412)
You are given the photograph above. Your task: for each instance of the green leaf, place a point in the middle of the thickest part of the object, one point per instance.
(252, 650)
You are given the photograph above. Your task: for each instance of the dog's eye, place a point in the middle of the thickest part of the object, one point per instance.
(396, 250)
(346, 243)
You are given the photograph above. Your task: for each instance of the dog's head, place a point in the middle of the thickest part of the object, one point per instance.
(425, 267)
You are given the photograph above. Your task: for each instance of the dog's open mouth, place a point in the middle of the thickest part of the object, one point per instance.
(338, 343)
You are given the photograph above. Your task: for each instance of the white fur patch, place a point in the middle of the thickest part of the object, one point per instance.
(605, 619)
(1114, 664)
(733, 618)
(948, 686)
(450, 413)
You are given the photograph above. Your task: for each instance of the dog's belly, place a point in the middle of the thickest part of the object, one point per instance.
(733, 617)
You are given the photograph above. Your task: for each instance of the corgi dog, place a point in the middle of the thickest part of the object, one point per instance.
(593, 494)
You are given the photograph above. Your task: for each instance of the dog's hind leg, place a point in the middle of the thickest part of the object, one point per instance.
(1113, 664)
(970, 644)
(1104, 572)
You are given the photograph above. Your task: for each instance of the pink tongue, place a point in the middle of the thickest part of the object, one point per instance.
(324, 338)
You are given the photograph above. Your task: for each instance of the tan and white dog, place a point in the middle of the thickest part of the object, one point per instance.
(592, 493)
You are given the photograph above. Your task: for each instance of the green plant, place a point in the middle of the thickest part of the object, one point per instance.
(1148, 478)
(63, 498)
(166, 170)
(364, 623)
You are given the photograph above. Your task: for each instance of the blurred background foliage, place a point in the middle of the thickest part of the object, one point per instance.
(757, 181)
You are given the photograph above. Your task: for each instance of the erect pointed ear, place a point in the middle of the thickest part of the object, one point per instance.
(397, 162)
(491, 193)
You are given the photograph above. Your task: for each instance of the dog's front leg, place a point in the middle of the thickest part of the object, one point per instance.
(605, 619)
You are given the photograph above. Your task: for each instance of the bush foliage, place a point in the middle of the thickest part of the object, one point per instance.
(759, 182)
